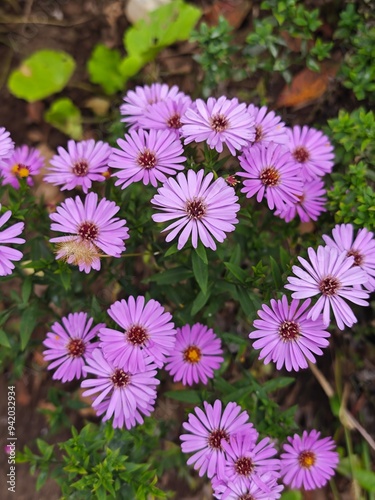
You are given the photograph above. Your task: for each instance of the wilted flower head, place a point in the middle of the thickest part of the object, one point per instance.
(268, 126)
(23, 163)
(362, 248)
(330, 275)
(286, 336)
(308, 461)
(147, 156)
(69, 345)
(93, 231)
(196, 355)
(81, 164)
(310, 204)
(311, 151)
(9, 235)
(6, 144)
(218, 122)
(138, 101)
(203, 209)
(269, 173)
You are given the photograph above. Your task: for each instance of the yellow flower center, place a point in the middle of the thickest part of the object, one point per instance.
(192, 354)
(307, 459)
(20, 170)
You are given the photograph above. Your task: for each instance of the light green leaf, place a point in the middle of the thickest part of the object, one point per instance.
(42, 74)
(104, 69)
(131, 65)
(291, 495)
(201, 251)
(185, 396)
(200, 270)
(66, 117)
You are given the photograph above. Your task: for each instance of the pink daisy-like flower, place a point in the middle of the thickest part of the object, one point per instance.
(207, 430)
(69, 345)
(308, 461)
(9, 235)
(311, 151)
(81, 164)
(286, 335)
(196, 355)
(6, 144)
(138, 101)
(269, 172)
(268, 126)
(166, 115)
(147, 156)
(362, 249)
(202, 209)
(229, 490)
(246, 461)
(219, 121)
(148, 332)
(125, 395)
(332, 276)
(93, 229)
(23, 163)
(310, 204)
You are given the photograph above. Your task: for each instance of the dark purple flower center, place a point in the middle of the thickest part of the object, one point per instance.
(244, 466)
(192, 354)
(306, 459)
(270, 176)
(174, 121)
(258, 133)
(329, 286)
(137, 335)
(358, 257)
(146, 159)
(120, 378)
(195, 209)
(76, 348)
(301, 154)
(246, 496)
(289, 331)
(231, 180)
(80, 168)
(219, 123)
(215, 437)
(88, 231)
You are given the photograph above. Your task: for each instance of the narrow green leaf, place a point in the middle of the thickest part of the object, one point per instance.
(249, 302)
(200, 270)
(201, 251)
(236, 271)
(171, 250)
(27, 324)
(184, 396)
(200, 301)
(277, 383)
(26, 289)
(4, 339)
(276, 274)
(172, 276)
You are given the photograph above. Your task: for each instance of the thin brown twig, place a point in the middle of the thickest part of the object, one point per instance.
(36, 20)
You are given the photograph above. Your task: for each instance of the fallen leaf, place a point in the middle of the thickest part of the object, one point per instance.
(139, 9)
(234, 11)
(307, 86)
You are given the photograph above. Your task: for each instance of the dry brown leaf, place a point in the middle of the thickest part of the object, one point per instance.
(234, 11)
(307, 86)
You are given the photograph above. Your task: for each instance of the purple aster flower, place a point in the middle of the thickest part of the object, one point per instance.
(138, 101)
(268, 126)
(9, 235)
(362, 249)
(196, 355)
(125, 395)
(202, 209)
(269, 172)
(207, 431)
(331, 275)
(6, 144)
(166, 115)
(147, 156)
(308, 461)
(219, 121)
(311, 151)
(93, 229)
(69, 345)
(23, 163)
(310, 204)
(246, 461)
(79, 165)
(286, 335)
(229, 490)
(148, 332)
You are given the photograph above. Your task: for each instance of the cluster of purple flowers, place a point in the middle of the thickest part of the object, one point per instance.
(225, 446)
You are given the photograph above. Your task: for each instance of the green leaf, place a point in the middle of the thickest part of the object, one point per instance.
(276, 274)
(200, 270)
(291, 495)
(366, 478)
(104, 69)
(27, 324)
(131, 65)
(42, 74)
(184, 396)
(249, 302)
(240, 274)
(199, 301)
(201, 251)
(277, 383)
(66, 117)
(171, 276)
(4, 339)
(171, 250)
(26, 289)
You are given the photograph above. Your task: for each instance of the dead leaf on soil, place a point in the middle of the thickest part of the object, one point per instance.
(234, 11)
(23, 395)
(307, 86)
